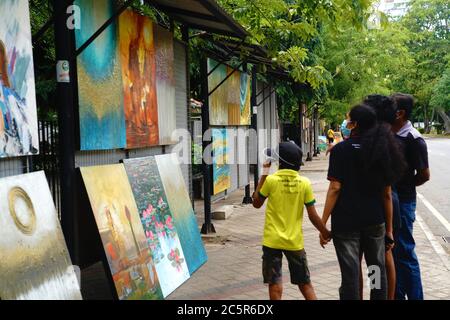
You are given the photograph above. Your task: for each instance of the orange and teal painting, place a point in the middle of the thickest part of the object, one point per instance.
(101, 108)
(137, 56)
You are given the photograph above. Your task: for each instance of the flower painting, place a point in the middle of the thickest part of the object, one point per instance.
(158, 223)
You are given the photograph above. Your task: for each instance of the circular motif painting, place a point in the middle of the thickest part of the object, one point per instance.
(22, 210)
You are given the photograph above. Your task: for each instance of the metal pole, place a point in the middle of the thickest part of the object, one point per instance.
(316, 131)
(247, 198)
(64, 50)
(255, 125)
(207, 227)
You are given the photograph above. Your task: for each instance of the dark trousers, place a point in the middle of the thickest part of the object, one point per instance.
(409, 282)
(350, 246)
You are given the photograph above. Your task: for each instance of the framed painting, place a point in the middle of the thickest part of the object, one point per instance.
(101, 108)
(181, 207)
(165, 84)
(137, 55)
(218, 100)
(35, 263)
(245, 99)
(18, 115)
(233, 87)
(158, 223)
(221, 169)
(129, 256)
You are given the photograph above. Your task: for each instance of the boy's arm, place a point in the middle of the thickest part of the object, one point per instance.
(317, 222)
(333, 193)
(258, 200)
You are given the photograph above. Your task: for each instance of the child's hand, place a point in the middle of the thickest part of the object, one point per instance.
(325, 238)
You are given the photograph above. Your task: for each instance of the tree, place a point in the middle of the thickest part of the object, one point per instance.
(440, 99)
(291, 31)
(364, 62)
(428, 24)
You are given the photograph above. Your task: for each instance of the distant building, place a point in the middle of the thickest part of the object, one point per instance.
(394, 8)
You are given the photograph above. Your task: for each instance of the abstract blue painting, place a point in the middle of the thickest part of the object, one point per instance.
(18, 115)
(181, 207)
(101, 109)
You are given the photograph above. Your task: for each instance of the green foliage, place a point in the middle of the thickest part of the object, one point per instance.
(440, 97)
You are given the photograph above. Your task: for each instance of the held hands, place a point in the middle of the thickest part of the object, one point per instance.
(325, 238)
(389, 241)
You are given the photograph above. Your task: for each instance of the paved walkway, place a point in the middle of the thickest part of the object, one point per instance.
(234, 267)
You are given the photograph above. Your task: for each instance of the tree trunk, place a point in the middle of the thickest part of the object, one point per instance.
(446, 119)
(430, 123)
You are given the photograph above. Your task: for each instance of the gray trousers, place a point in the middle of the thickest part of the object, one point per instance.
(350, 247)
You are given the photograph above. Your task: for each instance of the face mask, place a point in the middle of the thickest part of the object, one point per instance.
(346, 132)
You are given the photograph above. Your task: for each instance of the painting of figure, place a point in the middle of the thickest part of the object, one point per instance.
(181, 207)
(124, 241)
(101, 109)
(18, 115)
(137, 56)
(158, 223)
(218, 100)
(165, 84)
(35, 263)
(221, 168)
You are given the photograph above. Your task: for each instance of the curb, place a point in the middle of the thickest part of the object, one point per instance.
(434, 243)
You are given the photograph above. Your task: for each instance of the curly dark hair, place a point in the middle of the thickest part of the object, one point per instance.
(381, 160)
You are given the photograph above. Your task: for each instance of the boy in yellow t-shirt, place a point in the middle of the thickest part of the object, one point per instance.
(287, 193)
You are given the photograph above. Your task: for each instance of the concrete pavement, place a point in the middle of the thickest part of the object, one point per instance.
(234, 267)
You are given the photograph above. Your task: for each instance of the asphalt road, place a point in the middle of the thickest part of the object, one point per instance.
(434, 205)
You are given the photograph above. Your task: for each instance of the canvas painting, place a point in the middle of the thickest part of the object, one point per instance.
(233, 87)
(158, 222)
(245, 100)
(181, 207)
(221, 170)
(101, 109)
(165, 84)
(124, 241)
(137, 56)
(35, 263)
(18, 115)
(218, 100)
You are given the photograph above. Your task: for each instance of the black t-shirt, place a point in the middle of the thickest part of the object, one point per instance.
(358, 206)
(416, 155)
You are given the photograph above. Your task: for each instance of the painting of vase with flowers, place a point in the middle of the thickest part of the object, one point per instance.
(157, 220)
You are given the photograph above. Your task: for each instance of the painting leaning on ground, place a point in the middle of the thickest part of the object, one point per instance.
(35, 263)
(126, 248)
(158, 223)
(181, 207)
(18, 118)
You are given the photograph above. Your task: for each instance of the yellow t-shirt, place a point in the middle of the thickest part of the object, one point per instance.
(330, 133)
(287, 194)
